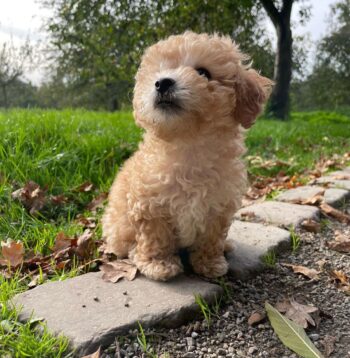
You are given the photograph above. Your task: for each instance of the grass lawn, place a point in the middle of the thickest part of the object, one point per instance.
(62, 149)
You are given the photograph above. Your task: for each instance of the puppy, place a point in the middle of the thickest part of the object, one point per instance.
(193, 97)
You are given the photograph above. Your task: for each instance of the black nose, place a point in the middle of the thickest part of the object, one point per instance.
(164, 84)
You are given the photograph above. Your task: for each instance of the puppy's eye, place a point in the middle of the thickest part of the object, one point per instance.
(204, 72)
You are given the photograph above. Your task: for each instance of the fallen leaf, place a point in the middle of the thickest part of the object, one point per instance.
(313, 200)
(12, 253)
(311, 225)
(328, 344)
(321, 263)
(113, 271)
(59, 199)
(248, 215)
(31, 196)
(310, 273)
(341, 176)
(256, 317)
(340, 276)
(63, 242)
(36, 280)
(341, 243)
(86, 222)
(97, 202)
(85, 187)
(342, 280)
(85, 244)
(337, 214)
(297, 312)
(97, 354)
(292, 335)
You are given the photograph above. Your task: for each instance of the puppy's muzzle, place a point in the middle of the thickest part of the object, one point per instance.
(166, 99)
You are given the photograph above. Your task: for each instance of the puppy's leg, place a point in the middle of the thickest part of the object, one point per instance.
(207, 254)
(155, 254)
(118, 233)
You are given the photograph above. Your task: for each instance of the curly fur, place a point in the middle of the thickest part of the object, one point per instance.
(185, 182)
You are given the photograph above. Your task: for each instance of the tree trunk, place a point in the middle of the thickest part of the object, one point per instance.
(278, 106)
(279, 102)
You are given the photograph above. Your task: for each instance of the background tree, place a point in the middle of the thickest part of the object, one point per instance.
(328, 86)
(13, 62)
(97, 45)
(280, 14)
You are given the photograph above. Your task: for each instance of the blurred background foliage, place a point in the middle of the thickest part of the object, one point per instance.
(96, 45)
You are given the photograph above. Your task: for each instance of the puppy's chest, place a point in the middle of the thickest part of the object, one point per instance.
(196, 195)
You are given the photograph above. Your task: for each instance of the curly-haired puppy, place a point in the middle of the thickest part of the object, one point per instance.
(193, 97)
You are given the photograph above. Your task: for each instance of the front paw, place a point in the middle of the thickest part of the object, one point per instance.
(210, 267)
(159, 270)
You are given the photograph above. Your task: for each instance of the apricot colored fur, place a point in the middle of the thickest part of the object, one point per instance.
(185, 182)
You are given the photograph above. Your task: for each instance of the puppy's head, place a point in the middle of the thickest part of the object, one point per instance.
(194, 81)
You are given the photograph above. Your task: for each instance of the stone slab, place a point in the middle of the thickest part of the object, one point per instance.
(345, 171)
(332, 196)
(91, 312)
(278, 213)
(251, 242)
(333, 183)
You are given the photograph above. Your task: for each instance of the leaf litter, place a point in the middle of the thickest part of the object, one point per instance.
(297, 312)
(291, 334)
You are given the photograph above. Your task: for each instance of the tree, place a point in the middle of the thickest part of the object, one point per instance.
(279, 102)
(13, 61)
(328, 86)
(98, 44)
(280, 14)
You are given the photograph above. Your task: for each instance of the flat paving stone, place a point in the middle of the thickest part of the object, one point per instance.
(334, 183)
(251, 242)
(278, 213)
(345, 171)
(91, 312)
(332, 196)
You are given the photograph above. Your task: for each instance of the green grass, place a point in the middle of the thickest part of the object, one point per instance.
(295, 240)
(270, 259)
(62, 149)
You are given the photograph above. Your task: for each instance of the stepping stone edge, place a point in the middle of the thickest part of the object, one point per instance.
(70, 307)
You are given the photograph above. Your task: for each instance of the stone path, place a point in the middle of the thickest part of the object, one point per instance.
(91, 312)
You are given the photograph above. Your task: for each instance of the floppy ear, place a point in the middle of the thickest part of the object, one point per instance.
(252, 92)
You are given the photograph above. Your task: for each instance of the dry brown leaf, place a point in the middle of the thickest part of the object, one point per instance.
(321, 263)
(113, 271)
(297, 312)
(311, 225)
(342, 280)
(310, 273)
(328, 344)
(85, 187)
(36, 280)
(58, 199)
(256, 317)
(12, 253)
(86, 222)
(97, 354)
(63, 242)
(97, 202)
(341, 243)
(337, 214)
(32, 197)
(341, 177)
(340, 276)
(85, 244)
(248, 215)
(313, 200)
